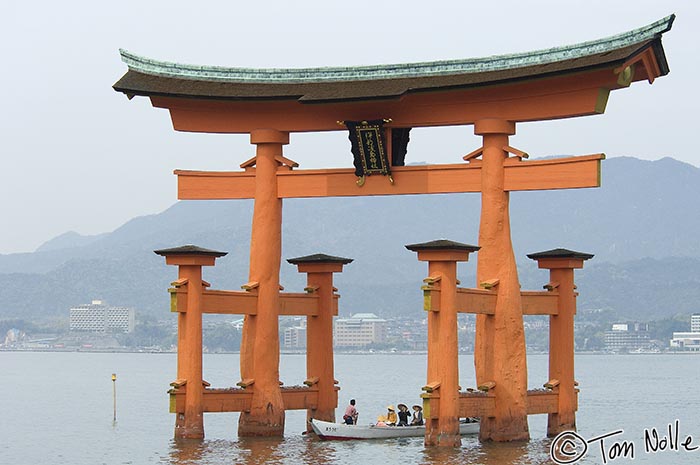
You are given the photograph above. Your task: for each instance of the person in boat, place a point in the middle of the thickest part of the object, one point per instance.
(417, 416)
(403, 414)
(389, 419)
(351, 414)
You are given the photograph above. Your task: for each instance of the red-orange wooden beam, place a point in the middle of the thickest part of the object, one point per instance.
(239, 400)
(558, 173)
(478, 404)
(484, 301)
(245, 303)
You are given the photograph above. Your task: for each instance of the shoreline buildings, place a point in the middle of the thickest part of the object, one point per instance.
(684, 341)
(360, 330)
(627, 337)
(98, 317)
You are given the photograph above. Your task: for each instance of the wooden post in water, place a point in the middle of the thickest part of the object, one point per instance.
(499, 348)
(561, 264)
(260, 351)
(319, 332)
(189, 260)
(442, 426)
(114, 396)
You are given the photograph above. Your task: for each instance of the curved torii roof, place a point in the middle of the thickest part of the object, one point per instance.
(632, 56)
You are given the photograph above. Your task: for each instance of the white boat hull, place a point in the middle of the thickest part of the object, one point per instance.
(327, 430)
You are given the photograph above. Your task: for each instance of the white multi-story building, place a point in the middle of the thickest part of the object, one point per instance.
(624, 337)
(688, 341)
(295, 337)
(97, 317)
(695, 323)
(360, 330)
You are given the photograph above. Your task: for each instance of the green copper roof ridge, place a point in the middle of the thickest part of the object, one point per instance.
(395, 71)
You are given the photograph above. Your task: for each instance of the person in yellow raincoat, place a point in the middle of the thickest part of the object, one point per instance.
(389, 419)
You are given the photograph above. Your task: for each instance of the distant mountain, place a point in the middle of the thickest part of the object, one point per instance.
(68, 240)
(641, 226)
(643, 209)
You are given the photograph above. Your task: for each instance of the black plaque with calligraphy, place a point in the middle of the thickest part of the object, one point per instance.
(367, 139)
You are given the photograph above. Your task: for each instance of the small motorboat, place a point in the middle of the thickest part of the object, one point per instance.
(327, 430)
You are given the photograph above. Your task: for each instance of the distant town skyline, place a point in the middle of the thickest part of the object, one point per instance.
(78, 156)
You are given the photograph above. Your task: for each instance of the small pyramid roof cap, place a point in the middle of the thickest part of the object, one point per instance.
(319, 258)
(560, 253)
(442, 244)
(190, 250)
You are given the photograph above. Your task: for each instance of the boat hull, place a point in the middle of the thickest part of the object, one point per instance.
(339, 431)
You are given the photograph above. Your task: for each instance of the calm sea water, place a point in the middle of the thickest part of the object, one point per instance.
(57, 408)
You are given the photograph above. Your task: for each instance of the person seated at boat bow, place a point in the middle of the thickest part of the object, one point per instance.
(404, 415)
(389, 419)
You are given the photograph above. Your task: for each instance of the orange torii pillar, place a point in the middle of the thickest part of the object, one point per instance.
(499, 350)
(319, 331)
(190, 259)
(561, 264)
(260, 352)
(442, 428)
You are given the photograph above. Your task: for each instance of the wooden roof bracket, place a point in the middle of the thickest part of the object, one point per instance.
(245, 383)
(250, 286)
(551, 384)
(518, 153)
(286, 162)
(473, 155)
(249, 164)
(179, 283)
(311, 289)
(487, 386)
(431, 387)
(283, 162)
(625, 72)
(178, 383)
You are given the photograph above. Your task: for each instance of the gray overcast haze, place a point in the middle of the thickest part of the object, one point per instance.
(77, 156)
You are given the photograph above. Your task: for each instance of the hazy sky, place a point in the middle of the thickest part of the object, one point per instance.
(77, 156)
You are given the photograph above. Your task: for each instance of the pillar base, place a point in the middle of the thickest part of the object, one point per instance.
(262, 426)
(183, 430)
(504, 429)
(443, 433)
(556, 424)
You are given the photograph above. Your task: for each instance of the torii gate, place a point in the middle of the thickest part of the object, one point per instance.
(492, 94)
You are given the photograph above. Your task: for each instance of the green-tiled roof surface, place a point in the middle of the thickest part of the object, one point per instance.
(151, 77)
(364, 73)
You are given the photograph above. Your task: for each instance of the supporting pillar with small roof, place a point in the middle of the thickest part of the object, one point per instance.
(443, 300)
(561, 264)
(379, 105)
(441, 397)
(319, 269)
(190, 259)
(191, 396)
